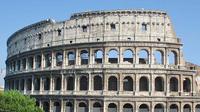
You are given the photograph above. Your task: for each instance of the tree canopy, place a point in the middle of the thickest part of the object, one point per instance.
(14, 101)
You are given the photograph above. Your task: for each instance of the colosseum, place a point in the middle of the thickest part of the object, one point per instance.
(103, 61)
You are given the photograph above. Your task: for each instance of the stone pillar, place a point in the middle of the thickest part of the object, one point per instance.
(34, 62)
(51, 83)
(152, 57)
(32, 86)
(52, 59)
(26, 64)
(64, 59)
(105, 82)
(167, 83)
(77, 57)
(137, 78)
(50, 106)
(166, 59)
(42, 61)
(91, 56)
(105, 55)
(137, 56)
(89, 106)
(120, 55)
(89, 82)
(151, 84)
(62, 83)
(25, 86)
(120, 84)
(104, 106)
(180, 82)
(75, 105)
(62, 105)
(41, 84)
(75, 82)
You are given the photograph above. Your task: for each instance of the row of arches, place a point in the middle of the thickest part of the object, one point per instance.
(98, 83)
(112, 107)
(113, 57)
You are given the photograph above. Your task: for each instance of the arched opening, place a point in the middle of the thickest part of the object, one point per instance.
(97, 107)
(30, 63)
(38, 61)
(173, 108)
(70, 83)
(144, 84)
(82, 107)
(48, 59)
(22, 84)
(57, 84)
(56, 107)
(159, 84)
(69, 107)
(84, 57)
(143, 108)
(127, 108)
(98, 83)
(46, 83)
(197, 108)
(98, 57)
(59, 59)
(159, 108)
(112, 107)
(71, 58)
(83, 83)
(187, 108)
(46, 106)
(128, 56)
(143, 57)
(112, 83)
(174, 84)
(128, 84)
(29, 84)
(113, 56)
(158, 57)
(172, 58)
(186, 85)
(37, 84)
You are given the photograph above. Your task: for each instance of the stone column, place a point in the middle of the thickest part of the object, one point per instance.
(137, 84)
(105, 82)
(152, 57)
(91, 56)
(34, 62)
(77, 57)
(120, 56)
(166, 58)
(151, 84)
(75, 83)
(89, 82)
(62, 105)
(52, 59)
(26, 64)
(64, 59)
(51, 83)
(62, 83)
(50, 106)
(32, 86)
(180, 82)
(75, 105)
(41, 84)
(137, 56)
(120, 84)
(42, 60)
(105, 56)
(25, 86)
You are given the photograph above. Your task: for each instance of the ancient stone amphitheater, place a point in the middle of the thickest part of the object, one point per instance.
(103, 61)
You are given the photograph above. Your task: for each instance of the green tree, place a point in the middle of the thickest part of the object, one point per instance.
(14, 101)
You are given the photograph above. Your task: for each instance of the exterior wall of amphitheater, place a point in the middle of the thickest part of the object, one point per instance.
(103, 61)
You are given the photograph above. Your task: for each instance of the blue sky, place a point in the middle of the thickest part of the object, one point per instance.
(15, 14)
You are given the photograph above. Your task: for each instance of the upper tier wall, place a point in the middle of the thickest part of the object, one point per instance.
(118, 25)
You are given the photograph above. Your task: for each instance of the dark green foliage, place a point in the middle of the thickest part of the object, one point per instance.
(14, 101)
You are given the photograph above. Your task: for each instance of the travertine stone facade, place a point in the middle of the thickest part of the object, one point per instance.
(103, 61)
